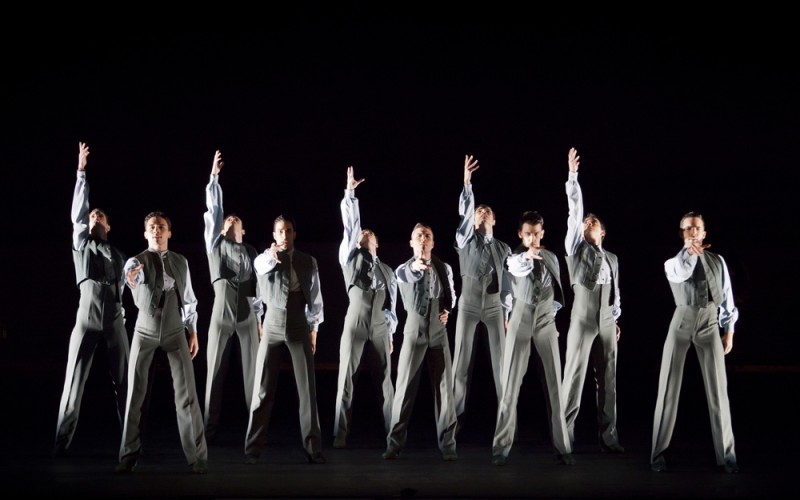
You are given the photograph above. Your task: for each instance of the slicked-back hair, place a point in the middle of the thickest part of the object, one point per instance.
(484, 205)
(284, 218)
(157, 213)
(591, 216)
(421, 225)
(690, 215)
(104, 212)
(370, 231)
(532, 218)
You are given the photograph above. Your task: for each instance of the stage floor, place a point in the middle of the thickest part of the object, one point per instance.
(766, 448)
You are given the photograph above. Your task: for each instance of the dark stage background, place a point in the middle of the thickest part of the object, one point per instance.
(669, 113)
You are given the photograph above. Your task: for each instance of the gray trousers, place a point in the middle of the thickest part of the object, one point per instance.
(424, 337)
(364, 322)
(696, 326)
(472, 310)
(284, 327)
(224, 323)
(537, 324)
(187, 407)
(592, 338)
(99, 319)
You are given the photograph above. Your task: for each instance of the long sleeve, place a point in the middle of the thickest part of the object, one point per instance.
(679, 268)
(506, 293)
(728, 312)
(264, 263)
(189, 304)
(518, 265)
(213, 216)
(452, 285)
(391, 314)
(80, 211)
(405, 274)
(466, 211)
(575, 218)
(257, 305)
(130, 264)
(351, 220)
(314, 312)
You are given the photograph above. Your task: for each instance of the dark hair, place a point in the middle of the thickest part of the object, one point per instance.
(284, 218)
(231, 214)
(98, 209)
(421, 225)
(531, 218)
(370, 231)
(158, 213)
(484, 205)
(593, 216)
(697, 215)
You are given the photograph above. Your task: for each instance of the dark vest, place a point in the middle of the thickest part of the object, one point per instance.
(226, 250)
(703, 286)
(469, 259)
(99, 261)
(584, 268)
(416, 294)
(274, 285)
(147, 295)
(360, 269)
(528, 289)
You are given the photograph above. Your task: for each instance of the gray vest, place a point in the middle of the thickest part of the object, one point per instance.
(99, 261)
(529, 289)
(469, 260)
(584, 269)
(360, 269)
(148, 295)
(703, 286)
(416, 294)
(227, 252)
(274, 285)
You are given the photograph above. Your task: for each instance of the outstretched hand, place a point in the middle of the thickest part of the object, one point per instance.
(273, 252)
(83, 153)
(420, 265)
(132, 275)
(217, 164)
(695, 247)
(573, 160)
(470, 166)
(533, 253)
(352, 183)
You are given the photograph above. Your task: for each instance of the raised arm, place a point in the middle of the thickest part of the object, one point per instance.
(213, 217)
(351, 218)
(575, 201)
(80, 201)
(466, 205)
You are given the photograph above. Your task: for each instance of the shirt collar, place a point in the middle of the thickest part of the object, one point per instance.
(159, 252)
